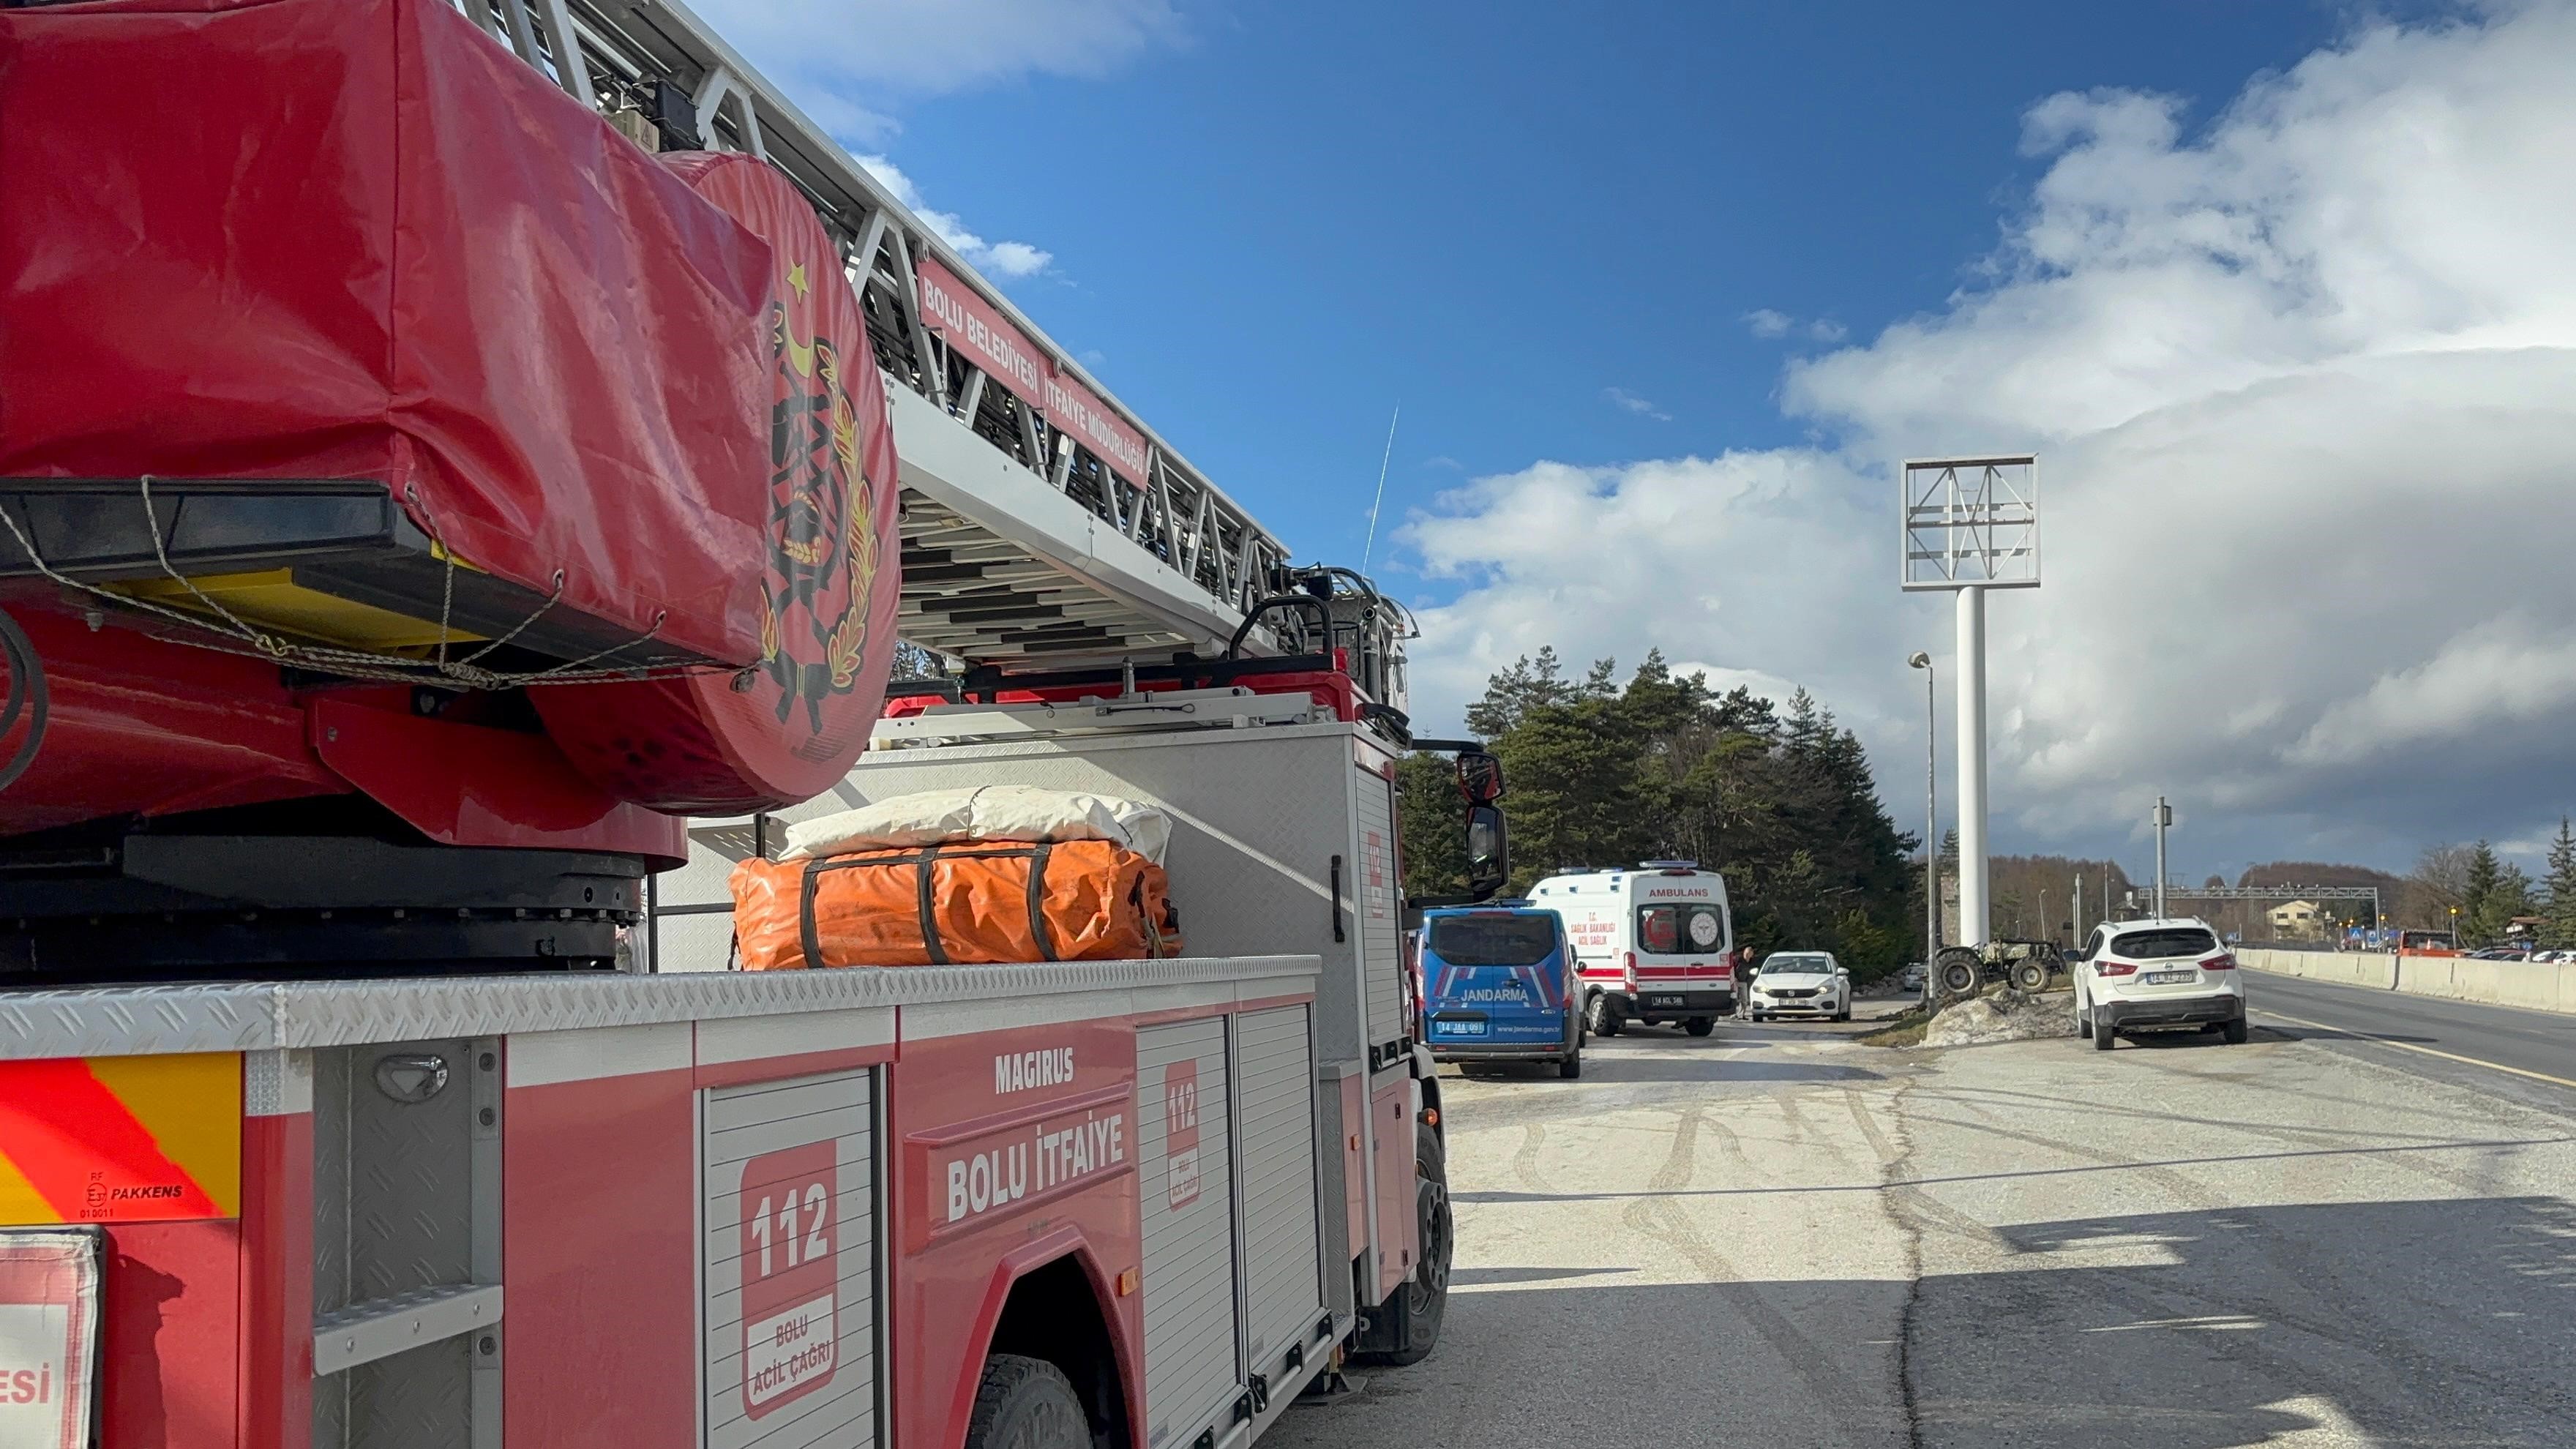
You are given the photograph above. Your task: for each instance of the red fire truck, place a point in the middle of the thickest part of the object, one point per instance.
(450, 511)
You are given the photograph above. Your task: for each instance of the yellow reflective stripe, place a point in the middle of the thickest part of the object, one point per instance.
(192, 1106)
(21, 1205)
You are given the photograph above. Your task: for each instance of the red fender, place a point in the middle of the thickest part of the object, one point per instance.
(1020, 1262)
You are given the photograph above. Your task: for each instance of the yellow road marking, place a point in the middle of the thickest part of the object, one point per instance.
(2412, 1047)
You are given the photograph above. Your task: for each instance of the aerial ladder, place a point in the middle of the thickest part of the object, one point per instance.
(1042, 519)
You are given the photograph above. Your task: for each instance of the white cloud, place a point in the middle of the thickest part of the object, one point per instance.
(1015, 259)
(1679, 555)
(1723, 678)
(1628, 402)
(2499, 675)
(849, 63)
(2304, 385)
(1770, 325)
(1009, 260)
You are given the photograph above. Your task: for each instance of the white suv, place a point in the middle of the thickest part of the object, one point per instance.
(1801, 983)
(2147, 975)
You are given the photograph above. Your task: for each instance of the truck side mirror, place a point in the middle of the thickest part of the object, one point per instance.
(1480, 777)
(1488, 852)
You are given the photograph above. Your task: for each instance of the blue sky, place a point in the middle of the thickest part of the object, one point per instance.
(1285, 217)
(2283, 293)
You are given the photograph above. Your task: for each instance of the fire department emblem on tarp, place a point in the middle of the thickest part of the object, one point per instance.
(823, 543)
(815, 514)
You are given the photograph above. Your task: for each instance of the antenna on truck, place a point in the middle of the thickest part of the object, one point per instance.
(1380, 500)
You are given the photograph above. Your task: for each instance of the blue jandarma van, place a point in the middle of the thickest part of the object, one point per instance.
(1498, 984)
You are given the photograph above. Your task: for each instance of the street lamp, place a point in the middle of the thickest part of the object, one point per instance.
(1931, 815)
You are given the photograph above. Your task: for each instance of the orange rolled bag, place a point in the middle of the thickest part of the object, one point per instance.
(936, 880)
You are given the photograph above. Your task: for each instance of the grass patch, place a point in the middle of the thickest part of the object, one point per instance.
(1902, 1031)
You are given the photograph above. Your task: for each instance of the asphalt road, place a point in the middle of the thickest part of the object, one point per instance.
(2394, 1025)
(1777, 1236)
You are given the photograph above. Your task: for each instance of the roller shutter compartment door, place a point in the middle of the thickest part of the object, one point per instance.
(1186, 1191)
(790, 1264)
(1373, 902)
(1282, 1254)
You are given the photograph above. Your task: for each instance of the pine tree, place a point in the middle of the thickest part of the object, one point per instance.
(2559, 929)
(2509, 897)
(1528, 684)
(2483, 873)
(1603, 774)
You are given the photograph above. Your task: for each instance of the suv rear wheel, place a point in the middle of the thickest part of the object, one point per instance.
(2235, 1032)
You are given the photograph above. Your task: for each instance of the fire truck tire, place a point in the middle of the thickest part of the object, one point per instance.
(1424, 1298)
(1026, 1403)
(1601, 1016)
(1700, 1025)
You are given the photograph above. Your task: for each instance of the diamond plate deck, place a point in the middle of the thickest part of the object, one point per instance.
(275, 1015)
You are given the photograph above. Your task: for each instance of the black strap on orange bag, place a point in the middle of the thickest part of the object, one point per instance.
(927, 893)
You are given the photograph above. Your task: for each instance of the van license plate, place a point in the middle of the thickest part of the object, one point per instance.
(1663, 1001)
(2168, 978)
(1461, 1028)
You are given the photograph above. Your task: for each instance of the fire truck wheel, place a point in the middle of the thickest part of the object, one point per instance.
(1601, 1016)
(1425, 1296)
(1700, 1025)
(1026, 1403)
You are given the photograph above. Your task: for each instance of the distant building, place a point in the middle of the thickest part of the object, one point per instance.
(2297, 921)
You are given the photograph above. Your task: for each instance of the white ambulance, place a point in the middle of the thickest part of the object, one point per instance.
(1652, 944)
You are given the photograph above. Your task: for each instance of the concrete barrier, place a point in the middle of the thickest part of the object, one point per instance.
(2349, 968)
(2535, 986)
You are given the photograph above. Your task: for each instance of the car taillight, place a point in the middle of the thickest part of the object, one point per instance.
(2220, 962)
(2115, 968)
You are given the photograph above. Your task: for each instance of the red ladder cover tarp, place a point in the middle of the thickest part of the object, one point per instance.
(359, 239)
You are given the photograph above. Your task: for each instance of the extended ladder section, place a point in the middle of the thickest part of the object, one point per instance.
(1042, 520)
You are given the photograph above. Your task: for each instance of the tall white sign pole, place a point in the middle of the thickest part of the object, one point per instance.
(1975, 920)
(1971, 525)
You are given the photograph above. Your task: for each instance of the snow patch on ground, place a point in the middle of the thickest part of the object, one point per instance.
(2005, 1016)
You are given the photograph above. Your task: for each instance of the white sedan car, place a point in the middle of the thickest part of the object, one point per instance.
(1801, 983)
